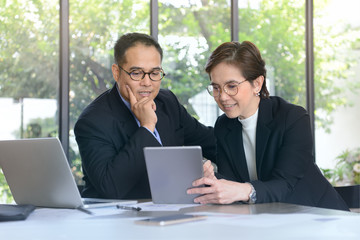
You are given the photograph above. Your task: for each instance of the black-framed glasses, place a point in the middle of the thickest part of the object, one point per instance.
(230, 88)
(139, 74)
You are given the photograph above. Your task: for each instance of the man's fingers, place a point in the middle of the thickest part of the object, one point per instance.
(142, 101)
(153, 105)
(131, 96)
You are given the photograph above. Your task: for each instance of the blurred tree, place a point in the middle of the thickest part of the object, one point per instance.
(29, 49)
(95, 25)
(277, 27)
(5, 193)
(189, 33)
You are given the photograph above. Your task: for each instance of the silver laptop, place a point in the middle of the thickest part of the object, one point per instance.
(171, 171)
(38, 173)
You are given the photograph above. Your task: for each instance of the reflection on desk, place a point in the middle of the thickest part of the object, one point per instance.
(236, 221)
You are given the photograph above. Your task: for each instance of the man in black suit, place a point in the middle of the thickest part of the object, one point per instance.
(113, 130)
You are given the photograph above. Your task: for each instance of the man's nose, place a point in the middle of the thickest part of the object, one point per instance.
(146, 81)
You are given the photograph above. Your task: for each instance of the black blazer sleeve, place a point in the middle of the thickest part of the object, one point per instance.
(287, 157)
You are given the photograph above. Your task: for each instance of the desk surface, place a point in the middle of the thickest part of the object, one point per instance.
(236, 221)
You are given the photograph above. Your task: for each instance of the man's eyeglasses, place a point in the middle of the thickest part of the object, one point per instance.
(230, 88)
(138, 74)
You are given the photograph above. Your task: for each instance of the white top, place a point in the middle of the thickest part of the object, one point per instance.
(249, 141)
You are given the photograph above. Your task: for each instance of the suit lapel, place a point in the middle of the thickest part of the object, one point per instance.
(163, 124)
(262, 132)
(122, 113)
(236, 149)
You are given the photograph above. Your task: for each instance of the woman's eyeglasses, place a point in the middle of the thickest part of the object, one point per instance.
(230, 88)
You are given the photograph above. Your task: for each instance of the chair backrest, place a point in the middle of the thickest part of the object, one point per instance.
(350, 194)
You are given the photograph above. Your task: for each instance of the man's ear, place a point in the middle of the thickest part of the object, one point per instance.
(115, 72)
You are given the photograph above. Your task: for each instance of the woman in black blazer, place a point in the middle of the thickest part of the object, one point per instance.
(264, 144)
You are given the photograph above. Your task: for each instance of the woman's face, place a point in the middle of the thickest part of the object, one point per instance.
(246, 101)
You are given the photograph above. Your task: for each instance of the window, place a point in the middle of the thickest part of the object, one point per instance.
(337, 85)
(278, 29)
(188, 32)
(29, 74)
(94, 28)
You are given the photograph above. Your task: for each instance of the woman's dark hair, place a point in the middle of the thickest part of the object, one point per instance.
(246, 56)
(129, 40)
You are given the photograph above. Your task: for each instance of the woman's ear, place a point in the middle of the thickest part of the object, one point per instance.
(258, 82)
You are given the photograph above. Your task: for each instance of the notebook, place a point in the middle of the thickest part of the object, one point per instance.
(171, 171)
(10, 212)
(39, 174)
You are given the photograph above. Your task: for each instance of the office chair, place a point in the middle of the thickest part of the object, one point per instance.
(350, 194)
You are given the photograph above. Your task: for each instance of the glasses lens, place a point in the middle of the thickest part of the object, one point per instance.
(137, 75)
(231, 88)
(156, 75)
(213, 90)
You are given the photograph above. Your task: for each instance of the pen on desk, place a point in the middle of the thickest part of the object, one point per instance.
(128, 208)
(84, 210)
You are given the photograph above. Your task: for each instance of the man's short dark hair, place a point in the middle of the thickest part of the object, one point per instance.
(129, 40)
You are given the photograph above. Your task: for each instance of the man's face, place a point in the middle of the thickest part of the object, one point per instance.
(138, 57)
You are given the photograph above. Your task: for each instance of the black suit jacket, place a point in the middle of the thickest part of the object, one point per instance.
(284, 156)
(111, 143)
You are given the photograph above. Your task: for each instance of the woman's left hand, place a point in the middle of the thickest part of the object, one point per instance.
(219, 191)
(208, 170)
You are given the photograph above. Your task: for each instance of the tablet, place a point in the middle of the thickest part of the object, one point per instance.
(171, 171)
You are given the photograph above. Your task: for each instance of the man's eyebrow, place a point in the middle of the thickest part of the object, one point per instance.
(140, 68)
(135, 68)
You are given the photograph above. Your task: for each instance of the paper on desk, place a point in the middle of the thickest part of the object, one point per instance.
(105, 211)
(150, 206)
(74, 214)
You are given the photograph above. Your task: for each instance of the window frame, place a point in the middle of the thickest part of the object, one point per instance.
(64, 61)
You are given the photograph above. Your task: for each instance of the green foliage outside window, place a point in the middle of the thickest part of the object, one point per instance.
(5, 194)
(29, 61)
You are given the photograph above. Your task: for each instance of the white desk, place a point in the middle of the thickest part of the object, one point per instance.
(259, 221)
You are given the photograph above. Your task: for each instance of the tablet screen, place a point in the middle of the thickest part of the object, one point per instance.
(171, 171)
